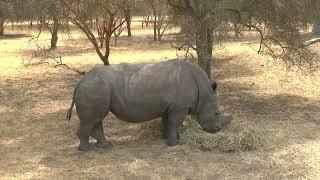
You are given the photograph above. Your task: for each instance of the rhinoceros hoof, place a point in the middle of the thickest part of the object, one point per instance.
(164, 136)
(85, 147)
(171, 142)
(107, 145)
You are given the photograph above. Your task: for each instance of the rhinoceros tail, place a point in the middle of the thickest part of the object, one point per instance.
(69, 113)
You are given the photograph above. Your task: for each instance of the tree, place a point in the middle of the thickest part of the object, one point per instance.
(46, 11)
(6, 12)
(14, 10)
(48, 14)
(196, 28)
(2, 21)
(117, 33)
(281, 20)
(108, 14)
(128, 6)
(54, 16)
(159, 9)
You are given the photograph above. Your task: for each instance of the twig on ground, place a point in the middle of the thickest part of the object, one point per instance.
(60, 63)
(44, 53)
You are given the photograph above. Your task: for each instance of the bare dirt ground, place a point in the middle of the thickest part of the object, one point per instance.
(36, 141)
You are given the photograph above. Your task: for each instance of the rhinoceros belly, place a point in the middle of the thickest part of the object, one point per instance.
(139, 111)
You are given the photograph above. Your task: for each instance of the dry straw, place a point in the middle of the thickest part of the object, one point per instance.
(236, 136)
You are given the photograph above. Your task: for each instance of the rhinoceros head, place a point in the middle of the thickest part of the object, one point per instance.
(210, 118)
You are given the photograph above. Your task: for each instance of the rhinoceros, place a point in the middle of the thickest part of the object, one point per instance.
(141, 92)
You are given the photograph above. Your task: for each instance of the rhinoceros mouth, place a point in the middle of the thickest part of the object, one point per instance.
(225, 120)
(212, 130)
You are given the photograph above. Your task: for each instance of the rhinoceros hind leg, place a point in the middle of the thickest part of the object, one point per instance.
(83, 134)
(98, 133)
(92, 105)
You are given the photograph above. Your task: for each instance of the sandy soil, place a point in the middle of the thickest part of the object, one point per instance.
(36, 141)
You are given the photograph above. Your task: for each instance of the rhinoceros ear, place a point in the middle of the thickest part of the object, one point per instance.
(214, 85)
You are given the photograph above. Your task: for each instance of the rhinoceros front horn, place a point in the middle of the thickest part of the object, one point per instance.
(226, 119)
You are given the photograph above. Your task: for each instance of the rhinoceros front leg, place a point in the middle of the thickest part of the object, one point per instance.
(175, 119)
(164, 127)
(98, 133)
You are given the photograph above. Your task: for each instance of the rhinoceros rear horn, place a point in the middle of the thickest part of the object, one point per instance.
(214, 85)
(226, 119)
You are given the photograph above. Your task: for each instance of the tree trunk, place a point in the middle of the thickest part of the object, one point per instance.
(101, 42)
(1, 27)
(128, 21)
(210, 42)
(101, 33)
(105, 58)
(115, 35)
(105, 61)
(316, 28)
(154, 24)
(236, 30)
(91, 23)
(159, 34)
(12, 25)
(204, 48)
(147, 20)
(54, 35)
(204, 61)
(250, 23)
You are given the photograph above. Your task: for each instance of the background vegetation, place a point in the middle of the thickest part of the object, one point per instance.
(247, 46)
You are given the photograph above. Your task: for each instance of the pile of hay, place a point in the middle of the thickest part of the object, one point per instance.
(149, 131)
(236, 136)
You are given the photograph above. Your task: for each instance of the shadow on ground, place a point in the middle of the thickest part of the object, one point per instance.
(230, 67)
(14, 36)
(36, 134)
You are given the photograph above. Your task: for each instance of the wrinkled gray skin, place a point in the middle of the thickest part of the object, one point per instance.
(142, 92)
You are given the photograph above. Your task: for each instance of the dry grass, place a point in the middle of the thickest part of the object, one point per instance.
(235, 137)
(276, 117)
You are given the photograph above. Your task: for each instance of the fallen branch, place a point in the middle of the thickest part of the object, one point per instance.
(311, 41)
(36, 63)
(60, 63)
(45, 54)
